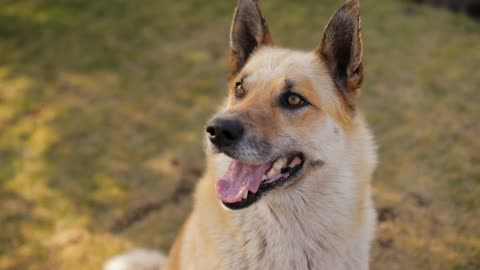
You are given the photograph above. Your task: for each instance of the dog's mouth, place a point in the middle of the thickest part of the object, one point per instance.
(245, 184)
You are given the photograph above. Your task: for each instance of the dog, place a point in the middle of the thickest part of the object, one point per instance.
(289, 158)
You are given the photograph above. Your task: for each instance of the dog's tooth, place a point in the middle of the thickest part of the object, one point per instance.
(264, 178)
(277, 166)
(280, 163)
(245, 195)
(272, 173)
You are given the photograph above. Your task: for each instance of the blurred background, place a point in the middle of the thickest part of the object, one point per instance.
(103, 104)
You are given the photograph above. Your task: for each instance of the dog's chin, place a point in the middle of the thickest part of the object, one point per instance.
(280, 171)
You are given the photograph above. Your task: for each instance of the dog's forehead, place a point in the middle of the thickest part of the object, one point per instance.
(269, 65)
(269, 68)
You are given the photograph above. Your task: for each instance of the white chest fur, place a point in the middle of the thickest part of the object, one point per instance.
(301, 229)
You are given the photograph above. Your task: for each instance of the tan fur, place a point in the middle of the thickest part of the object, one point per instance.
(323, 220)
(213, 227)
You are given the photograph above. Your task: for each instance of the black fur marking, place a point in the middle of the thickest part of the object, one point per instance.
(317, 163)
(289, 85)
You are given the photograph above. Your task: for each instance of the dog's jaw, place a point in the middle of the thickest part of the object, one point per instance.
(244, 185)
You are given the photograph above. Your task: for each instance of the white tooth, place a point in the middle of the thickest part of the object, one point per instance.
(272, 173)
(264, 178)
(280, 163)
(245, 195)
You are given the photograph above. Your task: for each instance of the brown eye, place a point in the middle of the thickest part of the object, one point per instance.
(239, 90)
(294, 100)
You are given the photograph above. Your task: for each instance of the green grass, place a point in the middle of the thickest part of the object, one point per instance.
(99, 101)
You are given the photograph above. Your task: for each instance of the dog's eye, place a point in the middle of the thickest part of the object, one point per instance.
(239, 90)
(293, 101)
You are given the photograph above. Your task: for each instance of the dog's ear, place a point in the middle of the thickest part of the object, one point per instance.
(341, 50)
(248, 32)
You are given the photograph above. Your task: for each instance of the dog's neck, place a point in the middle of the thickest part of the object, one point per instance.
(307, 221)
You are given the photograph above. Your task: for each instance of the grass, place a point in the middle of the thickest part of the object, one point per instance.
(102, 107)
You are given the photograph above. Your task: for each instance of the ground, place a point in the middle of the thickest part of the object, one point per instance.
(103, 104)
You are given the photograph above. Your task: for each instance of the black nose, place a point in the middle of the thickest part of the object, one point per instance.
(225, 132)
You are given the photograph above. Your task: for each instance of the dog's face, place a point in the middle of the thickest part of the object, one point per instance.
(287, 111)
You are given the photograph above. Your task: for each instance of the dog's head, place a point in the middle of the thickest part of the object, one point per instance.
(287, 112)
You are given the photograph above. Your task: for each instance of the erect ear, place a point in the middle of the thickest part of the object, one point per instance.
(248, 32)
(341, 49)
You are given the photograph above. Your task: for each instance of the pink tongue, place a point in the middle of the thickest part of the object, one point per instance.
(238, 179)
